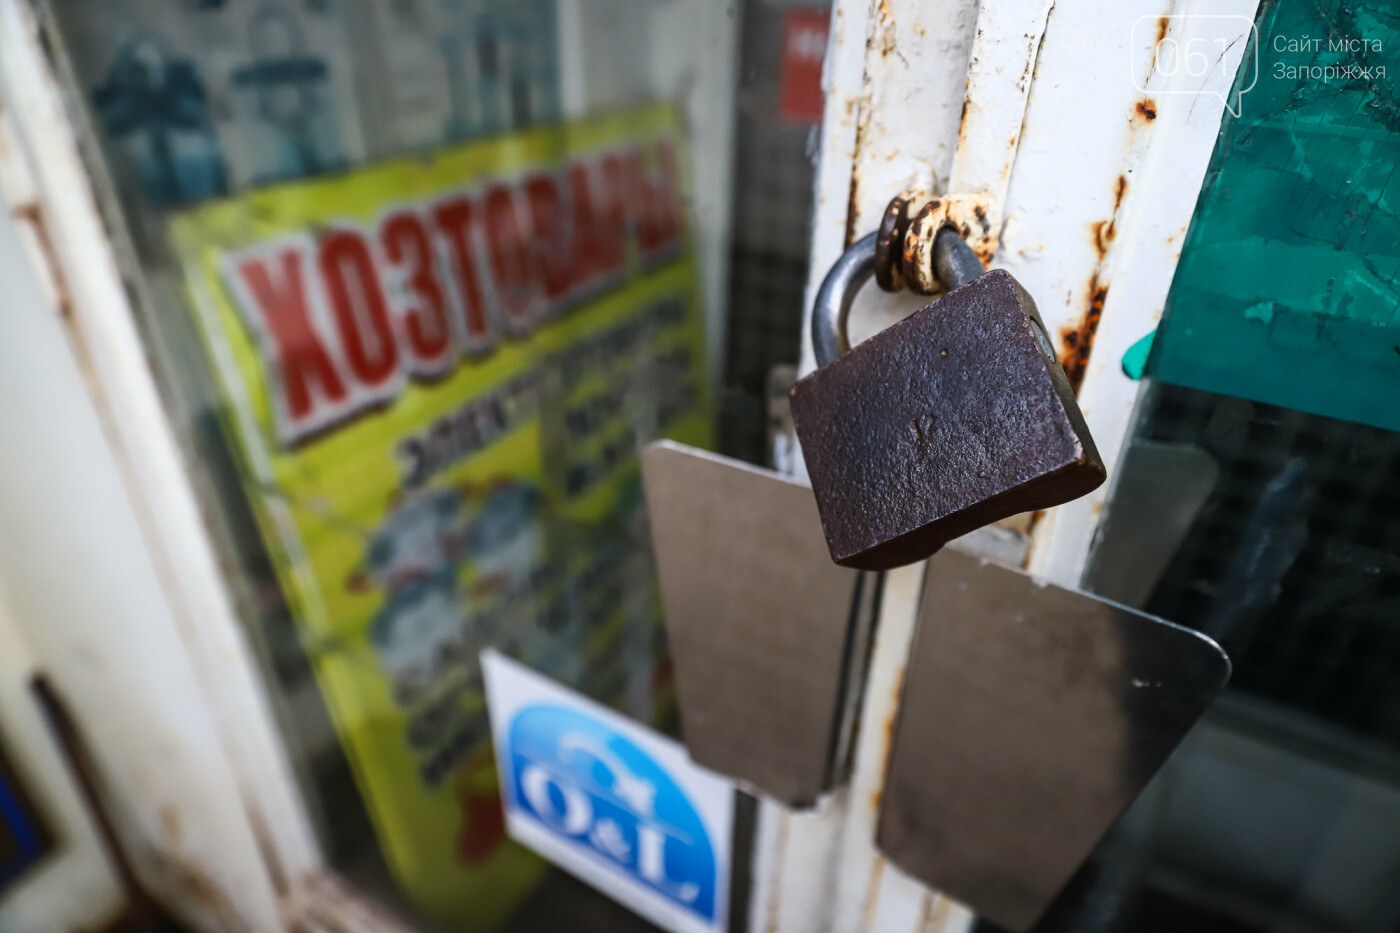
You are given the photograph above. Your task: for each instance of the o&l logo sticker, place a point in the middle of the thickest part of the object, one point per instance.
(610, 801)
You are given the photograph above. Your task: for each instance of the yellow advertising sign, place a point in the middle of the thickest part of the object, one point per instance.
(436, 374)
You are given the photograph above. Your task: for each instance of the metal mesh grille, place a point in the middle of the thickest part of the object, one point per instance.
(773, 180)
(1294, 561)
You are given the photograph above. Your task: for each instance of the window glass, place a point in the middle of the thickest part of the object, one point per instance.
(418, 278)
(1256, 503)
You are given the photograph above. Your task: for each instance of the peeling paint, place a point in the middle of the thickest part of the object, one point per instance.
(773, 913)
(936, 917)
(872, 895)
(889, 39)
(1005, 55)
(329, 903)
(1032, 522)
(1104, 232)
(172, 831)
(1163, 26)
(1032, 58)
(200, 889)
(887, 736)
(1079, 341)
(852, 202)
(969, 214)
(30, 216)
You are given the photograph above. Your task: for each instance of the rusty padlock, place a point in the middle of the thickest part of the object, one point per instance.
(956, 417)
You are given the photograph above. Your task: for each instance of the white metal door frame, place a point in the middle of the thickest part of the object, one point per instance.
(1092, 159)
(251, 830)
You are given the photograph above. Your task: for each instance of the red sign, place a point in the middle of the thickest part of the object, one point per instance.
(804, 50)
(345, 315)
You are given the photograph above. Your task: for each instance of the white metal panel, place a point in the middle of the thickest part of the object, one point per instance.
(795, 860)
(104, 546)
(1051, 121)
(911, 102)
(999, 73)
(1075, 146)
(873, 895)
(895, 75)
(1161, 162)
(90, 603)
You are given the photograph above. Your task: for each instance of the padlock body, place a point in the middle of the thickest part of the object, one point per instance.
(954, 418)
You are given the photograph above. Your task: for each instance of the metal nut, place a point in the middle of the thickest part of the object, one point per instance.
(889, 243)
(967, 213)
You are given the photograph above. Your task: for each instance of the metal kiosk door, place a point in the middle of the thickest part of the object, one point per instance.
(1124, 170)
(1191, 193)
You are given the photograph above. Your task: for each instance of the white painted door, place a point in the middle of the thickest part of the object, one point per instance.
(1091, 157)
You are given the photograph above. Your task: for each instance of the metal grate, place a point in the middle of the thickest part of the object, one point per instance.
(1294, 561)
(773, 181)
(765, 316)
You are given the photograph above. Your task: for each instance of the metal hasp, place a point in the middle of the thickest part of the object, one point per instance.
(956, 417)
(762, 626)
(1032, 717)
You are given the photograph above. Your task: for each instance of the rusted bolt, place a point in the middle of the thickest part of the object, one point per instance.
(889, 242)
(909, 227)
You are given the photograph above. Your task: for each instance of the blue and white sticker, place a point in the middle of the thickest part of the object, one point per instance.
(610, 801)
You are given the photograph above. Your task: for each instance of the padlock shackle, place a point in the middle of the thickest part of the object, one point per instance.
(954, 262)
(835, 297)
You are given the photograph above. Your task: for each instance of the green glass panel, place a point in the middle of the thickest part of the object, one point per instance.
(1286, 291)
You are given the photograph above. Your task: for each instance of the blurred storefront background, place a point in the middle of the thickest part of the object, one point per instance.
(417, 279)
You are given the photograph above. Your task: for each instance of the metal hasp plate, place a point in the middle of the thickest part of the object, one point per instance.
(758, 617)
(1032, 717)
(954, 418)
